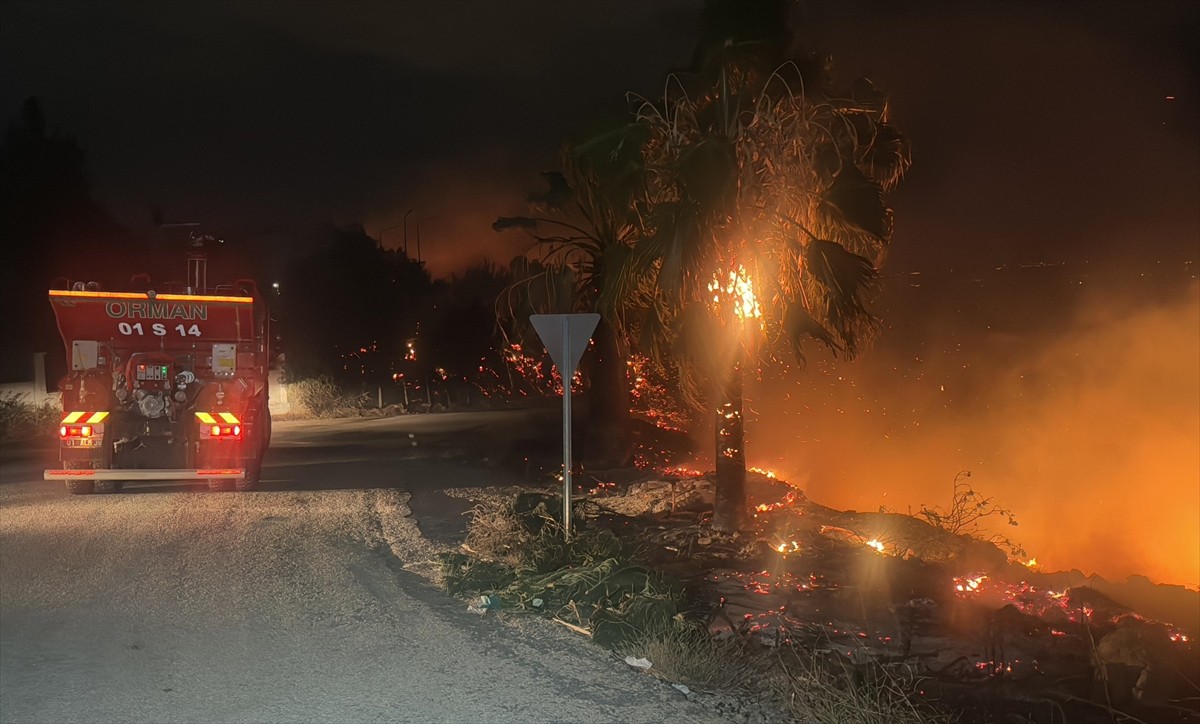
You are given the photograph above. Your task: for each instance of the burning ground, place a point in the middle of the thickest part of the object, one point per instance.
(969, 627)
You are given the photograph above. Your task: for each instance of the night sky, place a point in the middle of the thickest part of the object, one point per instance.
(1043, 273)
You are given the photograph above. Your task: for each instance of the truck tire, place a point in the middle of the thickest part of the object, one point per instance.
(108, 486)
(253, 473)
(266, 431)
(79, 487)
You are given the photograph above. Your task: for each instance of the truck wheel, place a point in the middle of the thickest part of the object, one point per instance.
(79, 487)
(253, 473)
(265, 422)
(219, 485)
(108, 486)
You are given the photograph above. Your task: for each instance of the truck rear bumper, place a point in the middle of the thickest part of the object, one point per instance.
(148, 474)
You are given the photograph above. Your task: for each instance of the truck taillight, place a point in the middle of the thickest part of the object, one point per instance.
(75, 431)
(234, 431)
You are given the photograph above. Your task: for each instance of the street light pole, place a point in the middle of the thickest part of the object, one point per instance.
(406, 213)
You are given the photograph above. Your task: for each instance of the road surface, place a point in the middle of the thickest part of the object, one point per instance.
(295, 603)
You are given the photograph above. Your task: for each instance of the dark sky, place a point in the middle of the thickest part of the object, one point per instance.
(1042, 314)
(1040, 129)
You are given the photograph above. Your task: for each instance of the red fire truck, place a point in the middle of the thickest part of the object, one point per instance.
(166, 384)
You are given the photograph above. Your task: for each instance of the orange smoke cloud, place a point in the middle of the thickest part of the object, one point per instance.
(1087, 428)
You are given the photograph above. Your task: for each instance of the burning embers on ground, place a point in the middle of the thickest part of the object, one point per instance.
(882, 589)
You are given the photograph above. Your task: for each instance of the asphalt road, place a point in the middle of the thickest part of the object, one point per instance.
(295, 603)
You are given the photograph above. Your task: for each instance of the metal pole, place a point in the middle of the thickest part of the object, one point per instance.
(566, 382)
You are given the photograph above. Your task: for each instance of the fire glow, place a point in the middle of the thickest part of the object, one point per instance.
(738, 289)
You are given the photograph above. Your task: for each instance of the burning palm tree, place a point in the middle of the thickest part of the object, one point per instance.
(764, 225)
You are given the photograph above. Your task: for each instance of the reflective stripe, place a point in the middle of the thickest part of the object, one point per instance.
(228, 417)
(97, 417)
(72, 417)
(206, 418)
(143, 295)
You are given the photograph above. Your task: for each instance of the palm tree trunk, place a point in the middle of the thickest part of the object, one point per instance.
(729, 508)
(609, 439)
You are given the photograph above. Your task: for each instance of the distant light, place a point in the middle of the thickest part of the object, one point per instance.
(275, 285)
(1170, 98)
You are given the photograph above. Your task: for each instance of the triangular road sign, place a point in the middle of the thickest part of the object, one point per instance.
(566, 336)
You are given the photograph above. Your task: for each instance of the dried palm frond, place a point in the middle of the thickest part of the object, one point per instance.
(859, 201)
(843, 278)
(798, 324)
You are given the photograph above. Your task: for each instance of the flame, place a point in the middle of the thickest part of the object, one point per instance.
(876, 544)
(762, 471)
(789, 498)
(739, 290)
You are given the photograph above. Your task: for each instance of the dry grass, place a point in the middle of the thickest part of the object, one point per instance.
(495, 533)
(819, 690)
(320, 398)
(20, 418)
(687, 654)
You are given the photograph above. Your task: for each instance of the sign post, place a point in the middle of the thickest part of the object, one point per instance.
(566, 336)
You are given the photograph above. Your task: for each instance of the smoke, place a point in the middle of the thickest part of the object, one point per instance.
(1075, 405)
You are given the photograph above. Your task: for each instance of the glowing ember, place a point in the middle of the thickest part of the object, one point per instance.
(684, 472)
(787, 548)
(770, 475)
(969, 584)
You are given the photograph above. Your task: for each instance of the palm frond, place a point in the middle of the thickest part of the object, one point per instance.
(798, 324)
(556, 196)
(504, 223)
(843, 278)
(859, 201)
(887, 157)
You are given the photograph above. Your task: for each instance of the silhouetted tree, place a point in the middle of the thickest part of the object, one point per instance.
(348, 309)
(765, 224)
(462, 333)
(586, 228)
(50, 227)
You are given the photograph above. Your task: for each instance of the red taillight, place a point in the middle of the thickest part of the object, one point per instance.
(76, 431)
(225, 431)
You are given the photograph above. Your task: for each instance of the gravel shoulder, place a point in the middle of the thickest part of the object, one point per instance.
(280, 606)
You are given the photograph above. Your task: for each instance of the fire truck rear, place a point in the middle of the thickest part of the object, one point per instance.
(162, 386)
